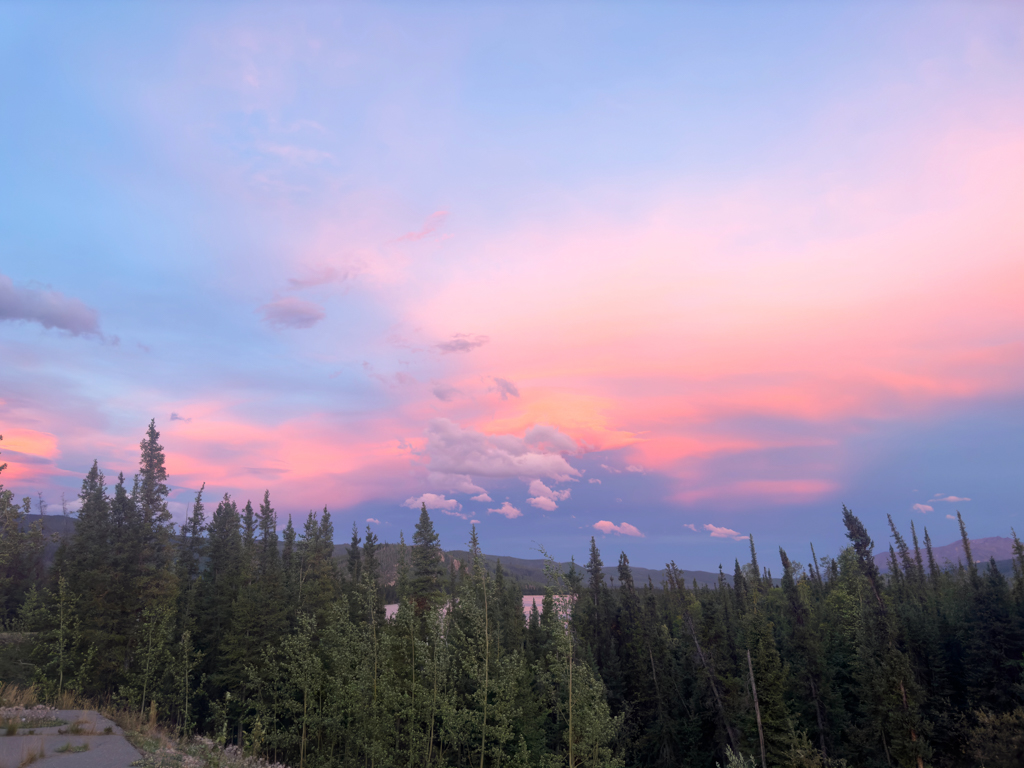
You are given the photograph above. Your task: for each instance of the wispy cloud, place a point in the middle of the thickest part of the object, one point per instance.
(594, 481)
(49, 308)
(434, 221)
(625, 529)
(505, 387)
(923, 508)
(691, 526)
(292, 312)
(724, 533)
(462, 342)
(445, 393)
(951, 498)
(176, 417)
(319, 276)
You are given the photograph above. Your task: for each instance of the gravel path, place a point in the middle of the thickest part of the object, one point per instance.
(105, 749)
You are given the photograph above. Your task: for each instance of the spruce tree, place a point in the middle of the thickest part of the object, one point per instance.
(427, 570)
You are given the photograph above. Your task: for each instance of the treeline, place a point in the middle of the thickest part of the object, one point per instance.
(223, 629)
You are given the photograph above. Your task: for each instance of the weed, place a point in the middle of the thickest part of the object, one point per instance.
(108, 730)
(69, 747)
(11, 728)
(32, 754)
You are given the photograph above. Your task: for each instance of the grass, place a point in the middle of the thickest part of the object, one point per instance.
(69, 747)
(32, 754)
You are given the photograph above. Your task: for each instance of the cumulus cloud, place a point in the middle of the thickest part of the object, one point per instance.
(482, 497)
(541, 502)
(691, 526)
(50, 309)
(373, 520)
(321, 276)
(606, 526)
(454, 450)
(594, 481)
(446, 393)
(951, 498)
(454, 483)
(507, 510)
(923, 508)
(545, 498)
(724, 533)
(462, 342)
(433, 501)
(292, 312)
(176, 417)
(505, 387)
(635, 468)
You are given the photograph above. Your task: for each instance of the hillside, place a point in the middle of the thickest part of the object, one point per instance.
(999, 547)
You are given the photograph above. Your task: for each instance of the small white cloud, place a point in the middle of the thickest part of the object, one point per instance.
(951, 517)
(594, 481)
(952, 498)
(482, 497)
(542, 503)
(923, 508)
(373, 520)
(606, 526)
(724, 533)
(433, 501)
(635, 468)
(691, 526)
(611, 469)
(507, 510)
(474, 522)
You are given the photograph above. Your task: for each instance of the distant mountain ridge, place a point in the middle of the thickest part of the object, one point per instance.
(999, 547)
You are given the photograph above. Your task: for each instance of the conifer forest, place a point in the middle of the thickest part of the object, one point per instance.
(246, 628)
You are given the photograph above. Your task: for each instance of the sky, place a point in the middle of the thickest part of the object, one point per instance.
(664, 274)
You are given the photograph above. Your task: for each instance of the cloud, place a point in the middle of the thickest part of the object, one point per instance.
(482, 497)
(611, 469)
(507, 510)
(606, 526)
(550, 439)
(541, 502)
(505, 387)
(454, 483)
(594, 481)
(291, 312)
(462, 342)
(433, 501)
(373, 520)
(545, 498)
(475, 522)
(50, 309)
(446, 393)
(724, 533)
(635, 468)
(434, 221)
(923, 508)
(951, 517)
(320, 276)
(952, 498)
(176, 417)
(453, 450)
(691, 526)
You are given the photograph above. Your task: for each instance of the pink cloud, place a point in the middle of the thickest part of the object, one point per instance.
(507, 510)
(606, 527)
(373, 520)
(951, 517)
(482, 497)
(724, 533)
(923, 508)
(434, 221)
(691, 526)
(462, 342)
(635, 468)
(292, 312)
(952, 498)
(318, 277)
(594, 481)
(541, 502)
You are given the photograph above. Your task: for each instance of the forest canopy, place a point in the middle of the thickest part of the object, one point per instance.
(254, 633)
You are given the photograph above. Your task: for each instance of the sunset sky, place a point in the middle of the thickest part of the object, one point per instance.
(664, 274)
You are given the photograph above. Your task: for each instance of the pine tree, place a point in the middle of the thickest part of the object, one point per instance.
(427, 571)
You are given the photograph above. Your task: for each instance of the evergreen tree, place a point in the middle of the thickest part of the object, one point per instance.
(427, 570)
